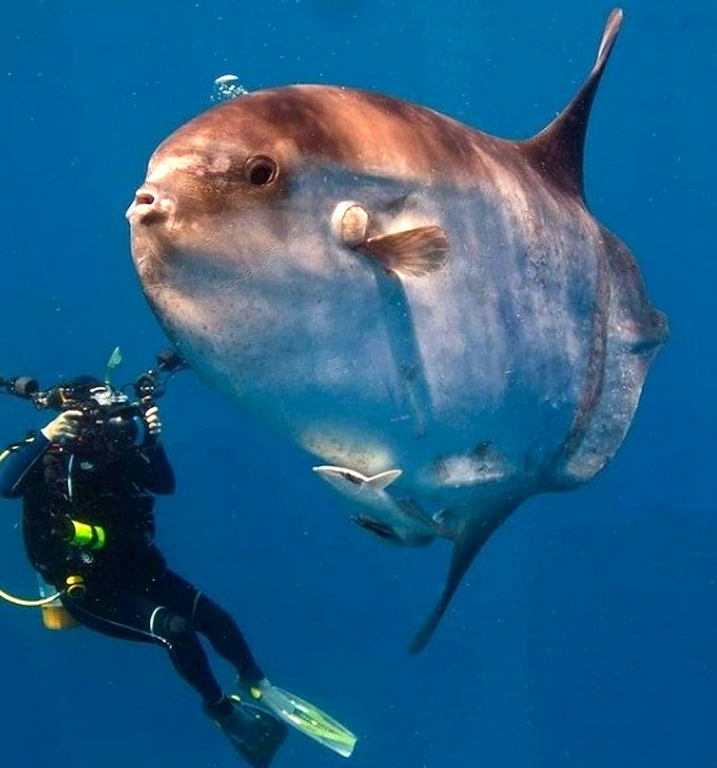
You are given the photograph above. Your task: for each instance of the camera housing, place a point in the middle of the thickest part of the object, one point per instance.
(109, 419)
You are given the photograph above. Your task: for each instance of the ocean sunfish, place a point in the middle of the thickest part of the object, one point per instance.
(397, 292)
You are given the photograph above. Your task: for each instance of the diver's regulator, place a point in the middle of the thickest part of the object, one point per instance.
(75, 587)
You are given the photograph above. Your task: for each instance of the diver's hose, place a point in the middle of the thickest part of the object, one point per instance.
(28, 603)
(39, 602)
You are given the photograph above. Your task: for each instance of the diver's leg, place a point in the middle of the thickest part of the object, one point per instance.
(211, 620)
(187, 654)
(227, 639)
(129, 616)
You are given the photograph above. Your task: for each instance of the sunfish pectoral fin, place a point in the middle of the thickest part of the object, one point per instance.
(416, 252)
(557, 151)
(378, 482)
(467, 545)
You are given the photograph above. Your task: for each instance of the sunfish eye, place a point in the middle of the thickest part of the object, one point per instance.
(260, 170)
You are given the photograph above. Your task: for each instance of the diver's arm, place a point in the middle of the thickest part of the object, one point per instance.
(18, 464)
(22, 459)
(153, 470)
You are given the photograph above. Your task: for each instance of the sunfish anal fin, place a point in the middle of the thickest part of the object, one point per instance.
(467, 545)
(416, 252)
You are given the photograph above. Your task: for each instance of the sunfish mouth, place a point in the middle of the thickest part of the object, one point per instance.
(149, 206)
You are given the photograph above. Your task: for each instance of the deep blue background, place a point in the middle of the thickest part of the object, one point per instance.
(586, 632)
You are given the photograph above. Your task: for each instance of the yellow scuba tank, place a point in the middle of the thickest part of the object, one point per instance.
(54, 614)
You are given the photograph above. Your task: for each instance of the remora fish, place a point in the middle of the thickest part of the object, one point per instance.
(400, 522)
(396, 291)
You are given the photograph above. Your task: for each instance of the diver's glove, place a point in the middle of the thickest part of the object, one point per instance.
(152, 423)
(64, 427)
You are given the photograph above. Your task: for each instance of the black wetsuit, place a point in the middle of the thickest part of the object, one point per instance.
(131, 593)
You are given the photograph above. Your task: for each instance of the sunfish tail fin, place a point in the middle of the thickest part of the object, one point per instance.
(466, 547)
(557, 151)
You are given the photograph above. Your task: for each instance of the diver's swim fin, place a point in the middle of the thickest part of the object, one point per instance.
(305, 717)
(253, 731)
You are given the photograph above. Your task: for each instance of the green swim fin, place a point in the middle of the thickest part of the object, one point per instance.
(253, 731)
(305, 717)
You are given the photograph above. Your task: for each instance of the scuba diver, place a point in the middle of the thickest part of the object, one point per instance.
(87, 480)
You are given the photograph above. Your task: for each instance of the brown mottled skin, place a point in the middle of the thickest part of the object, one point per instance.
(359, 130)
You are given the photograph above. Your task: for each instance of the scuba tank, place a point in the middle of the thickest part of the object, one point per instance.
(54, 614)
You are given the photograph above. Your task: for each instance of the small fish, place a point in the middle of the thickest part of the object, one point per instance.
(399, 522)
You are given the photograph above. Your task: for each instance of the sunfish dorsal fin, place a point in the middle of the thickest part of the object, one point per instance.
(557, 150)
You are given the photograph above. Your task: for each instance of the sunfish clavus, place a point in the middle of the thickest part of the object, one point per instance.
(405, 297)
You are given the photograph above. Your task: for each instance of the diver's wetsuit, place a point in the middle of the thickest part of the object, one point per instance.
(131, 593)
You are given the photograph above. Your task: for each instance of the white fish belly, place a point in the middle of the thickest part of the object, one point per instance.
(460, 377)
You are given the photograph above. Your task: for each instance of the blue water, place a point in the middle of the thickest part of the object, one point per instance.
(586, 633)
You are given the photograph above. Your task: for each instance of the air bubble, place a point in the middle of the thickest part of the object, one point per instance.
(227, 87)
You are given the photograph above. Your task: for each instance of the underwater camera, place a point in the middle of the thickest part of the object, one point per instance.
(110, 419)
